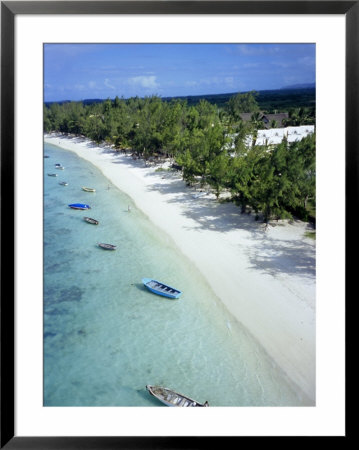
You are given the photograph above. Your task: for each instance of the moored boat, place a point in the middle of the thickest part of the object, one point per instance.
(160, 288)
(172, 398)
(87, 189)
(52, 174)
(107, 246)
(90, 220)
(59, 166)
(79, 206)
(63, 183)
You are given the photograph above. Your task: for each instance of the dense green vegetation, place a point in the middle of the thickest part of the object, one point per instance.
(208, 144)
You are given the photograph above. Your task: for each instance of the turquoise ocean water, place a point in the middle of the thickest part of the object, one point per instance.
(106, 336)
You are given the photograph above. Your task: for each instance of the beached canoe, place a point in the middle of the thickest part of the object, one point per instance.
(63, 183)
(199, 194)
(87, 189)
(90, 220)
(160, 288)
(107, 246)
(172, 398)
(79, 206)
(52, 174)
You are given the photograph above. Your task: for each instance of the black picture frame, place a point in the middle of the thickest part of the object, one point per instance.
(9, 9)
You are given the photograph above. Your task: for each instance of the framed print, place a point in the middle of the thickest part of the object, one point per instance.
(175, 197)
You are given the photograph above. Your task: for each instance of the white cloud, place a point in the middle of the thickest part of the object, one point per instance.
(108, 84)
(148, 82)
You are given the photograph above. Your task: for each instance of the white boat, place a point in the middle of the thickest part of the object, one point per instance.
(172, 398)
(199, 194)
(87, 189)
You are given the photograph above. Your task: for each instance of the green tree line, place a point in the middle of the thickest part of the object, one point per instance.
(209, 144)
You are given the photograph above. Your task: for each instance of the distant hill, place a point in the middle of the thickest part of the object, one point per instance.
(300, 86)
(279, 100)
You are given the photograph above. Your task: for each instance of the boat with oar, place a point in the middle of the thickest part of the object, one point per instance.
(79, 206)
(172, 398)
(160, 288)
(107, 246)
(87, 189)
(63, 183)
(90, 220)
(52, 174)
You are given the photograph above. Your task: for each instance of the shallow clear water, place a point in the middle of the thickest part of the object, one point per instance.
(106, 336)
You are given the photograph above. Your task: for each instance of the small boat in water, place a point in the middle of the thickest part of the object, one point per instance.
(160, 288)
(87, 189)
(46, 156)
(63, 183)
(59, 166)
(107, 246)
(90, 220)
(52, 174)
(172, 398)
(79, 206)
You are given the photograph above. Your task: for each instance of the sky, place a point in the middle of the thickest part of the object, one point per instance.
(87, 71)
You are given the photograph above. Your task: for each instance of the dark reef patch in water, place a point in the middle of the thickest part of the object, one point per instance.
(49, 334)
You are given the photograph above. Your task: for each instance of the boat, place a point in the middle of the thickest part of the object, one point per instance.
(59, 166)
(160, 288)
(172, 398)
(107, 246)
(79, 206)
(87, 189)
(199, 194)
(90, 220)
(63, 183)
(52, 174)
(46, 156)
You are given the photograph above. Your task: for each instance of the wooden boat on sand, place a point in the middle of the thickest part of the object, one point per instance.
(107, 246)
(160, 288)
(79, 206)
(87, 189)
(172, 398)
(92, 221)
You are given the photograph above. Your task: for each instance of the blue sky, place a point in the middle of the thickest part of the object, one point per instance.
(82, 71)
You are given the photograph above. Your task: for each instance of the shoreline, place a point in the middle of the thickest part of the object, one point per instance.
(266, 279)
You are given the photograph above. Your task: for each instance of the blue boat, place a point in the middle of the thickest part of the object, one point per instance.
(79, 206)
(160, 288)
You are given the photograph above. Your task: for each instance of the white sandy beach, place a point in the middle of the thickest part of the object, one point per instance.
(266, 278)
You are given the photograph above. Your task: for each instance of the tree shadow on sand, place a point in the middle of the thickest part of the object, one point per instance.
(269, 254)
(274, 256)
